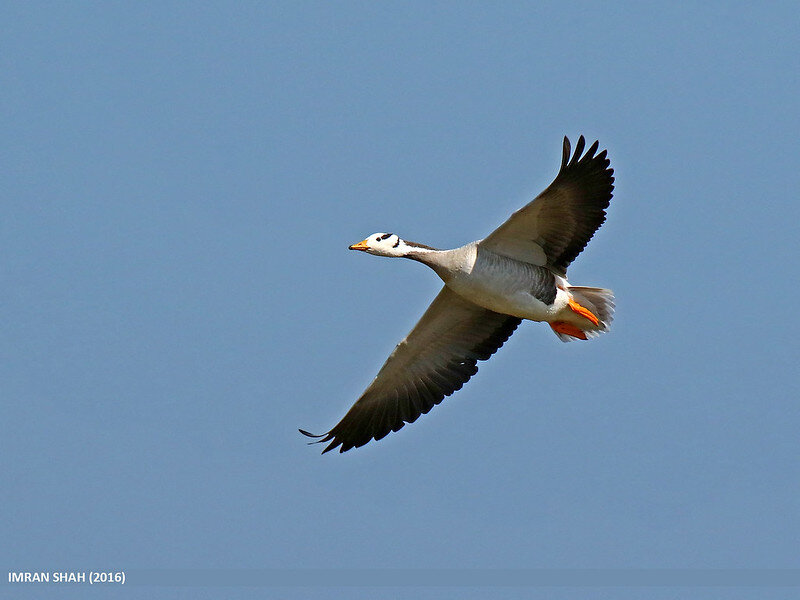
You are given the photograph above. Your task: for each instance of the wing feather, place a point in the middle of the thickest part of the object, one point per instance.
(437, 358)
(555, 227)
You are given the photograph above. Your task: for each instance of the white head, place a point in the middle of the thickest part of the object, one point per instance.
(382, 244)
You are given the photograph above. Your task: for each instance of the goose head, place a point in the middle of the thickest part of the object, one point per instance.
(382, 244)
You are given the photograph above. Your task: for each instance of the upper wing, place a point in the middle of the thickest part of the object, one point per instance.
(433, 361)
(554, 228)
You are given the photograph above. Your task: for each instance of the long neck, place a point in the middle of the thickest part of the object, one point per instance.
(434, 258)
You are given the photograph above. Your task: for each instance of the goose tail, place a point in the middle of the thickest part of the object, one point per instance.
(595, 306)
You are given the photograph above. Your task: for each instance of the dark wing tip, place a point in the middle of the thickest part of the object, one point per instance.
(333, 445)
(320, 439)
(578, 151)
(567, 150)
(590, 179)
(569, 159)
(588, 160)
(311, 435)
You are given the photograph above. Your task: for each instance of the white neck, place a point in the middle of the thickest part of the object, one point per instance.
(424, 254)
(412, 249)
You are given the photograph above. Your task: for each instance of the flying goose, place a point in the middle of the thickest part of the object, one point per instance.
(518, 272)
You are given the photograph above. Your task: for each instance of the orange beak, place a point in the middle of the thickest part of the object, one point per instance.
(362, 245)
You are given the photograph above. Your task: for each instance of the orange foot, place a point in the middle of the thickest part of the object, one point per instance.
(583, 311)
(568, 329)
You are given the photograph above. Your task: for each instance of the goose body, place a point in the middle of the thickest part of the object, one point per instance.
(499, 283)
(516, 273)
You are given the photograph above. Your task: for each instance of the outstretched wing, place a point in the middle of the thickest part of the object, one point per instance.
(433, 361)
(555, 227)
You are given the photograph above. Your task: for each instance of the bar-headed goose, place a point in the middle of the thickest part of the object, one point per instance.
(517, 272)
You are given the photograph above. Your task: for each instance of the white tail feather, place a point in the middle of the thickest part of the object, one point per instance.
(598, 300)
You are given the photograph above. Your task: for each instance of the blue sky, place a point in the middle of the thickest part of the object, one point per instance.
(179, 187)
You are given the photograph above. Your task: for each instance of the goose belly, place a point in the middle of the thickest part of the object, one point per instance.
(509, 287)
